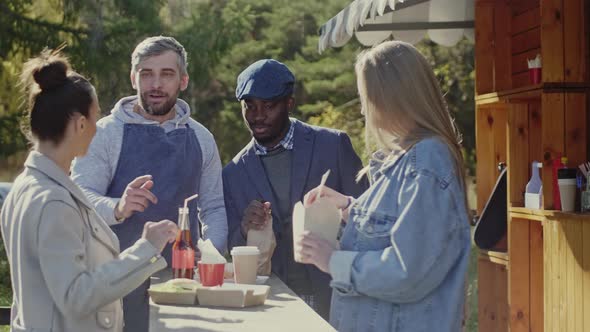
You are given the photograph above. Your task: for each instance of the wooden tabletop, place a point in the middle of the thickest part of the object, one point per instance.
(283, 311)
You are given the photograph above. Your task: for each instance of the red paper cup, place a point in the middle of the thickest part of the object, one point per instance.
(535, 75)
(211, 274)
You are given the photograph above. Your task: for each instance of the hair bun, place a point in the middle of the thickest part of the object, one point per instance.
(51, 73)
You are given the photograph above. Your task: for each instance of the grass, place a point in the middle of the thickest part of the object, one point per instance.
(472, 292)
(5, 300)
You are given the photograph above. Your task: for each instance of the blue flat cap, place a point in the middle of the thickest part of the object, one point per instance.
(265, 79)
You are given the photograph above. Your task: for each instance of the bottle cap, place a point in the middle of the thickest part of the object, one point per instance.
(566, 173)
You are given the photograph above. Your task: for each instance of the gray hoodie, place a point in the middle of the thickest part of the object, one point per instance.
(95, 171)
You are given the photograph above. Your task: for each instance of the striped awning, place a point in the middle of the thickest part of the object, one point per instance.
(373, 21)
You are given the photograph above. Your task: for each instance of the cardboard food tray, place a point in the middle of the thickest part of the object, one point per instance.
(233, 295)
(188, 297)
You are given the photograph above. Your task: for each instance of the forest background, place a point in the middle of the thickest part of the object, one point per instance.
(222, 37)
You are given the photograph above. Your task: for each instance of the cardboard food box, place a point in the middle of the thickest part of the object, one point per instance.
(321, 218)
(233, 295)
(175, 292)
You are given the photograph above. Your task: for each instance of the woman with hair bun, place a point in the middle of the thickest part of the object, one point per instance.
(66, 268)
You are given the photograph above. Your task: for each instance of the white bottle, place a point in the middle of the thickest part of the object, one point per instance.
(534, 188)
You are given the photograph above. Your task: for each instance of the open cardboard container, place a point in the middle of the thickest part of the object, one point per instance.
(227, 295)
(233, 295)
(321, 218)
(186, 297)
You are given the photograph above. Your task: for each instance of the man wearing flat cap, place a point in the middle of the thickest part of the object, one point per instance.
(285, 159)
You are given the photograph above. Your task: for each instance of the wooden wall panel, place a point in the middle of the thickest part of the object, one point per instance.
(575, 40)
(575, 275)
(518, 150)
(521, 79)
(484, 47)
(526, 41)
(575, 128)
(521, 6)
(493, 300)
(586, 274)
(490, 139)
(548, 276)
(519, 275)
(566, 273)
(535, 133)
(553, 131)
(561, 274)
(536, 276)
(526, 20)
(552, 40)
(502, 47)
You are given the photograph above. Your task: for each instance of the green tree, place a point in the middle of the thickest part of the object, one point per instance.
(101, 36)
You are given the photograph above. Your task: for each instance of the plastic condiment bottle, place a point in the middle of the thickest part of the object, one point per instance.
(534, 185)
(558, 163)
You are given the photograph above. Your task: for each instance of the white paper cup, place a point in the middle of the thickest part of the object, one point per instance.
(567, 194)
(245, 261)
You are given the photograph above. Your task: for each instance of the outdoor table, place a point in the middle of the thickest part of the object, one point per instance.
(283, 311)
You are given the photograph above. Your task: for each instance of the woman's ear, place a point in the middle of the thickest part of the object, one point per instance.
(80, 123)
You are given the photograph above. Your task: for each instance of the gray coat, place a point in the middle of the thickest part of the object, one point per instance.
(66, 270)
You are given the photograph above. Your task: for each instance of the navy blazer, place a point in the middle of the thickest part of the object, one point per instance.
(315, 150)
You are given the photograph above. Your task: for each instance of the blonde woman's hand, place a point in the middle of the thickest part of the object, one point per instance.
(160, 233)
(339, 200)
(314, 249)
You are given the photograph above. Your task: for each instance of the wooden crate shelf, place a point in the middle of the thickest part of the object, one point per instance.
(531, 92)
(496, 257)
(540, 215)
(542, 282)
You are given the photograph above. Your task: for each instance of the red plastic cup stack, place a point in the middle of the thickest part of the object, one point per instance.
(211, 274)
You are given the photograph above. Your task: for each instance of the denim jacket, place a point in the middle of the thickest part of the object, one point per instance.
(405, 249)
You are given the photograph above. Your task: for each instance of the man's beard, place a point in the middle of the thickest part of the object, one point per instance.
(160, 110)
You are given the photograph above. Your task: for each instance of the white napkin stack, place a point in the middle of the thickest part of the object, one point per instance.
(209, 254)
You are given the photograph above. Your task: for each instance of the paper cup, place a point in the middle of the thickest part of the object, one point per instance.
(211, 274)
(245, 260)
(535, 75)
(566, 180)
(567, 194)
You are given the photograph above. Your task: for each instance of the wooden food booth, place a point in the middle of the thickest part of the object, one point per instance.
(539, 279)
(542, 280)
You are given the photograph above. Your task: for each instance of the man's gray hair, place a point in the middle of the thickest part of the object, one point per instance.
(153, 46)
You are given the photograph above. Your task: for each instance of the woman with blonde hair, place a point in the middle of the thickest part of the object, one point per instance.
(404, 252)
(66, 269)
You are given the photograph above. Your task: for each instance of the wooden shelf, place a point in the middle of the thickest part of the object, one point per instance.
(494, 257)
(530, 92)
(540, 215)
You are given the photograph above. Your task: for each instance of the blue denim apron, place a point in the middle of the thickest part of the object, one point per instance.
(174, 160)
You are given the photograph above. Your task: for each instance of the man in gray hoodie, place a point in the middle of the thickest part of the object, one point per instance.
(149, 155)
